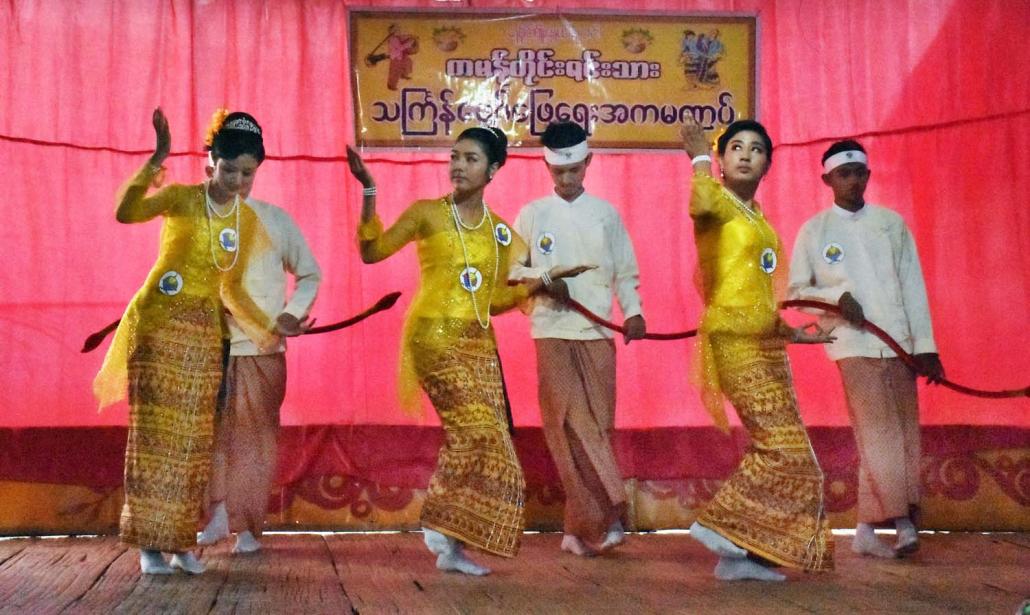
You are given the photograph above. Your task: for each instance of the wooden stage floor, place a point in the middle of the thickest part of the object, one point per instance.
(392, 573)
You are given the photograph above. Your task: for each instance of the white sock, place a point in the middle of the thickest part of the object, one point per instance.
(187, 562)
(908, 538)
(246, 543)
(217, 528)
(716, 542)
(449, 554)
(616, 536)
(457, 561)
(738, 569)
(866, 543)
(438, 543)
(152, 562)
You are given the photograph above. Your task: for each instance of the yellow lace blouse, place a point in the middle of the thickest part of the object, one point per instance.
(463, 278)
(185, 272)
(740, 273)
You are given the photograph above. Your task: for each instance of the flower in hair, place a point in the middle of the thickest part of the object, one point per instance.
(717, 135)
(217, 119)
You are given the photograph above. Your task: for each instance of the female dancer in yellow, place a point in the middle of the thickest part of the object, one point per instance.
(475, 496)
(169, 349)
(771, 509)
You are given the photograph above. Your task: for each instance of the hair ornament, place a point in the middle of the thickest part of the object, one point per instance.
(217, 119)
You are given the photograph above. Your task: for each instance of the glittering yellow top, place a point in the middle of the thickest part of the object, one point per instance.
(185, 272)
(739, 257)
(460, 287)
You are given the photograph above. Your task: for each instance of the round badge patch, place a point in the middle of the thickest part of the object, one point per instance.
(227, 239)
(502, 234)
(833, 253)
(545, 243)
(470, 279)
(768, 260)
(170, 283)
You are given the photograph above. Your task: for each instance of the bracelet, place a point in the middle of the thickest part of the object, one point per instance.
(701, 158)
(546, 277)
(370, 191)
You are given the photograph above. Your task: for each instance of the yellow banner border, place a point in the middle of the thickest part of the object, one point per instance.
(748, 18)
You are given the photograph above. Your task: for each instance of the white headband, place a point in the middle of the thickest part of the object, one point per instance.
(840, 158)
(567, 155)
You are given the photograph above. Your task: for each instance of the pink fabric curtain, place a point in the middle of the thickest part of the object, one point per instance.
(938, 91)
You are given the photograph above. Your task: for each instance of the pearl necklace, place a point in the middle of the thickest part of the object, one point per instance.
(211, 210)
(741, 205)
(754, 218)
(457, 216)
(458, 225)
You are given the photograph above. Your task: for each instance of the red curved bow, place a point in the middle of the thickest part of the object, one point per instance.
(904, 355)
(385, 303)
(829, 307)
(579, 307)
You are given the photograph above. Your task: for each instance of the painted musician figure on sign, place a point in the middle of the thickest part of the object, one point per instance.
(399, 49)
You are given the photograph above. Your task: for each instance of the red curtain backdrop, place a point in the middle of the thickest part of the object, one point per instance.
(939, 84)
(937, 90)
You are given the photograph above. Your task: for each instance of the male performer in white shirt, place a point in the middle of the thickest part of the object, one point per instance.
(245, 454)
(863, 258)
(576, 358)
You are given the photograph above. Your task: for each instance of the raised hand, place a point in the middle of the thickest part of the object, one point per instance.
(695, 143)
(358, 168)
(163, 137)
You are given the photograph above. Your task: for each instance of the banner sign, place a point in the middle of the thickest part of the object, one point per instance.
(420, 78)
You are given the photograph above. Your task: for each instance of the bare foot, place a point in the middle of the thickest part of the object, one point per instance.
(572, 544)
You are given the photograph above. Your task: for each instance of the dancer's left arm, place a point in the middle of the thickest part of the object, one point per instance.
(917, 310)
(307, 276)
(627, 282)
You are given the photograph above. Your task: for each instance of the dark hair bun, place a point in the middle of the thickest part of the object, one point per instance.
(239, 134)
(493, 141)
(501, 147)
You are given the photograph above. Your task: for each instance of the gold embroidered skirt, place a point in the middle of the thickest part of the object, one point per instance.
(174, 375)
(476, 492)
(772, 505)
